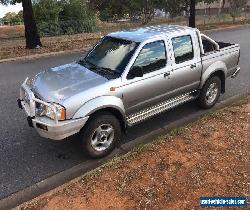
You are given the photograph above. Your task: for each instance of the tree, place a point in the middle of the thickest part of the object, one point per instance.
(46, 13)
(192, 13)
(78, 16)
(13, 18)
(20, 15)
(31, 33)
(9, 17)
(192, 10)
(46, 10)
(222, 5)
(236, 7)
(144, 9)
(177, 7)
(63, 17)
(110, 9)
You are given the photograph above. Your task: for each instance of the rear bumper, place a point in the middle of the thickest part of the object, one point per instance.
(235, 74)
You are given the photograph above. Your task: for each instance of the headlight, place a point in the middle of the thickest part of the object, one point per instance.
(29, 82)
(48, 111)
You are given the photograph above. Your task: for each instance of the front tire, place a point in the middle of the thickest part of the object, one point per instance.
(210, 93)
(100, 135)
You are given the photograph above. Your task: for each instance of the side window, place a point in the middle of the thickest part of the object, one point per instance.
(183, 49)
(208, 46)
(152, 57)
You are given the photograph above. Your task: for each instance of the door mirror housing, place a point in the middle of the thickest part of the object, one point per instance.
(135, 71)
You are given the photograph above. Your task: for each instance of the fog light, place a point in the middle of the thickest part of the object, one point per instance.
(40, 126)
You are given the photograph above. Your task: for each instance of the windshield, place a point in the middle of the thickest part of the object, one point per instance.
(111, 54)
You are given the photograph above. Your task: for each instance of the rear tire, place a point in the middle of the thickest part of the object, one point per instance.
(210, 93)
(100, 135)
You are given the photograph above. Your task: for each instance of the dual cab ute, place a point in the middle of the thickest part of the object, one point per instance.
(128, 77)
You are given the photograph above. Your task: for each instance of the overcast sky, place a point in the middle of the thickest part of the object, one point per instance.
(12, 8)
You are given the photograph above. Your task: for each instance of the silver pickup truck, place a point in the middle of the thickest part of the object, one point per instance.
(128, 77)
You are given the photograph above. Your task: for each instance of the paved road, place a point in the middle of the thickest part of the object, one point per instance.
(25, 158)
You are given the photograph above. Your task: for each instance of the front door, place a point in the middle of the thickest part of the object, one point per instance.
(142, 92)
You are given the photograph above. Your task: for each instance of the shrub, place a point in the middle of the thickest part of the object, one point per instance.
(63, 17)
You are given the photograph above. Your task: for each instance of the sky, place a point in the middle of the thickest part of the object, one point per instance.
(11, 8)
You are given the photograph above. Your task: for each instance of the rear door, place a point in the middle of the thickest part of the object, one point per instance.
(187, 67)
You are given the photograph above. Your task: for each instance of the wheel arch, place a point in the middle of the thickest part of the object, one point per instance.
(109, 104)
(222, 77)
(220, 72)
(114, 112)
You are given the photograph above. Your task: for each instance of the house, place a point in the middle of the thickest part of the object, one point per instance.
(214, 8)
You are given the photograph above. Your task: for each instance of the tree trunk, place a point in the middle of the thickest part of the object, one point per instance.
(31, 32)
(192, 14)
(234, 18)
(222, 5)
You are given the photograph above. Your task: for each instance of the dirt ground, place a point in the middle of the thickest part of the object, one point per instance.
(15, 46)
(209, 157)
(12, 41)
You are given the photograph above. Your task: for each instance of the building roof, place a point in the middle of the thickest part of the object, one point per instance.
(142, 34)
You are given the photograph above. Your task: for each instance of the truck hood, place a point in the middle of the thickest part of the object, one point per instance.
(60, 83)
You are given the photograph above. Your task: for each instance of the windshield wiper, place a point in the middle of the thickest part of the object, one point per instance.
(84, 61)
(98, 68)
(110, 70)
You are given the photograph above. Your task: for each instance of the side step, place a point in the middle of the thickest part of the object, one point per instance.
(159, 108)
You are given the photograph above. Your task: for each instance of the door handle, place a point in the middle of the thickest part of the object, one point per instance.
(193, 66)
(167, 74)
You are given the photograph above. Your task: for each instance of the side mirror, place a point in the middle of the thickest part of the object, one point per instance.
(135, 71)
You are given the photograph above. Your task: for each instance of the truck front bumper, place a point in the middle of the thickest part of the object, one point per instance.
(46, 127)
